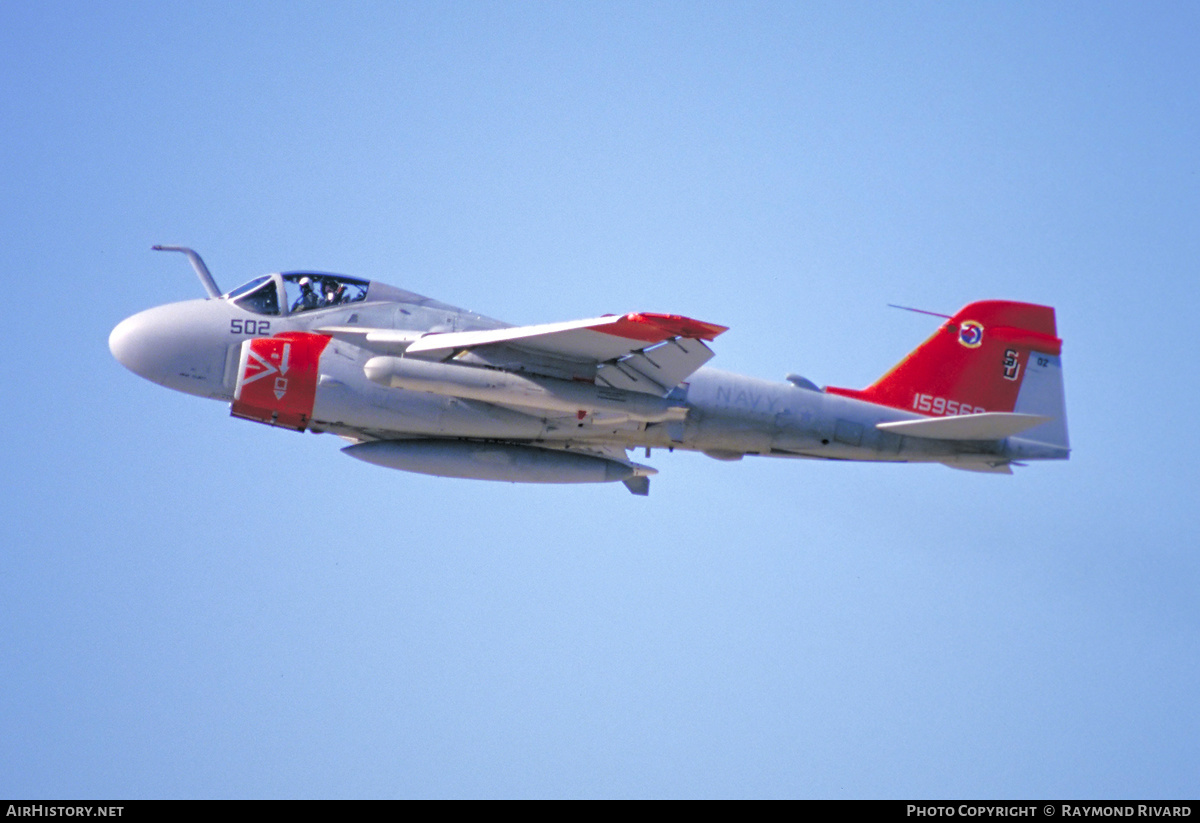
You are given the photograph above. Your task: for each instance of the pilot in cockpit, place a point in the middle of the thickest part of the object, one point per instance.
(309, 299)
(334, 292)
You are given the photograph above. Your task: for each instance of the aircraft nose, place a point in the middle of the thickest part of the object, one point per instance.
(132, 344)
(179, 346)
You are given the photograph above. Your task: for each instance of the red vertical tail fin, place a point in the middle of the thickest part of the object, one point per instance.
(976, 362)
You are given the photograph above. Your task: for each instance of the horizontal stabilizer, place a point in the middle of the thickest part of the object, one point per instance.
(984, 426)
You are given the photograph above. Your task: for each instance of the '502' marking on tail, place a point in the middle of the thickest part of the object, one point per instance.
(941, 406)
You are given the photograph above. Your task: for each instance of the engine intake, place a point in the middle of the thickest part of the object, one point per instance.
(277, 379)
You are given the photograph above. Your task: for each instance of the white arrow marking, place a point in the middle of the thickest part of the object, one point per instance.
(267, 368)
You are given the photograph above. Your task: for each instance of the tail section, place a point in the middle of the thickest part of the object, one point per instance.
(992, 356)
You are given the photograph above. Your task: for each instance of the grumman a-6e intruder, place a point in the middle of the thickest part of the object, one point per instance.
(418, 385)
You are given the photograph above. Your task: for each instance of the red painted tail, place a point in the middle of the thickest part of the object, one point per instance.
(976, 362)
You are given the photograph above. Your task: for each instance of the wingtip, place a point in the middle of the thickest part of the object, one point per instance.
(676, 325)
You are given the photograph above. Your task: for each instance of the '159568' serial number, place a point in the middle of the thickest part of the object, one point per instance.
(940, 405)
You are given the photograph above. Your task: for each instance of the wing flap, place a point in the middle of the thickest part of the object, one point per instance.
(656, 370)
(983, 426)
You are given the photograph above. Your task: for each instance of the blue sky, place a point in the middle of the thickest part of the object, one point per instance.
(197, 606)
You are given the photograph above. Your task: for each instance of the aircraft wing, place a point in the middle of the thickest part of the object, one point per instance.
(597, 339)
(642, 352)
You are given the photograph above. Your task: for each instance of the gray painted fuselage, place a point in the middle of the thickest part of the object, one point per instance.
(191, 347)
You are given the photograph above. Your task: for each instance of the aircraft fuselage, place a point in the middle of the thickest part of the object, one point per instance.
(505, 395)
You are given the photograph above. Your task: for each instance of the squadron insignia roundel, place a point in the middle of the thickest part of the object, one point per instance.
(970, 334)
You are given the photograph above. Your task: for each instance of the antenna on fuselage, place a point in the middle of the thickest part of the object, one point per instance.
(206, 279)
(919, 311)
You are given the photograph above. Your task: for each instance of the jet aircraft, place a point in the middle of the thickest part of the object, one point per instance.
(418, 385)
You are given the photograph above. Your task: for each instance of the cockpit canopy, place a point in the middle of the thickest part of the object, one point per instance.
(301, 291)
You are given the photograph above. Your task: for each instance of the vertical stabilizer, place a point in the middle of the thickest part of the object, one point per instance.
(992, 356)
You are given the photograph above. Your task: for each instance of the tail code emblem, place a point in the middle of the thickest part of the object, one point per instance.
(970, 334)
